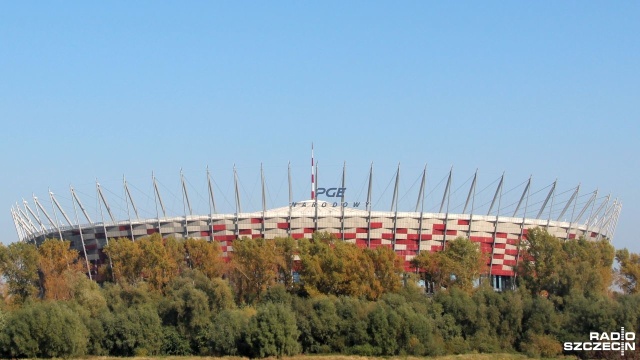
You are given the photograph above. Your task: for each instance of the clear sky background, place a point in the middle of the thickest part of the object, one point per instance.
(98, 90)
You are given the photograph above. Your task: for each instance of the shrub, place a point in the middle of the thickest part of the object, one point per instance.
(47, 329)
(273, 332)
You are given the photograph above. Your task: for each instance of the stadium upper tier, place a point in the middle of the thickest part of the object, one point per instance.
(497, 231)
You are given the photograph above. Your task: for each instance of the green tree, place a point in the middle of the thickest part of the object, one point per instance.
(89, 302)
(187, 309)
(459, 265)
(45, 329)
(225, 335)
(559, 268)
(541, 263)
(541, 326)
(319, 324)
(587, 267)
(135, 330)
(498, 320)
(385, 327)
(353, 325)
(273, 332)
(582, 315)
(217, 290)
(19, 267)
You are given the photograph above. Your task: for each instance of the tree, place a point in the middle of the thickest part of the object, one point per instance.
(629, 271)
(561, 268)
(151, 259)
(287, 250)
(19, 266)
(204, 256)
(541, 262)
(126, 260)
(459, 265)
(384, 330)
(134, 330)
(273, 332)
(334, 267)
(45, 329)
(255, 265)
(160, 260)
(587, 267)
(225, 335)
(318, 323)
(57, 261)
(353, 324)
(388, 268)
(89, 303)
(541, 324)
(217, 290)
(187, 309)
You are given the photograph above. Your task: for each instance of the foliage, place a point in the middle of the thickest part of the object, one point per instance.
(587, 267)
(558, 268)
(273, 332)
(133, 330)
(218, 291)
(19, 267)
(204, 256)
(537, 345)
(287, 250)
(629, 272)
(57, 262)
(46, 329)
(255, 266)
(187, 310)
(388, 268)
(173, 297)
(161, 260)
(459, 265)
(158, 261)
(353, 335)
(334, 267)
(319, 324)
(225, 334)
(126, 260)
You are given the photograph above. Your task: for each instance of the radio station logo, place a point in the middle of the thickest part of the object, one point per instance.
(605, 341)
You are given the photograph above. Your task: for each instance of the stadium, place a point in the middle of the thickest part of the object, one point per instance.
(499, 225)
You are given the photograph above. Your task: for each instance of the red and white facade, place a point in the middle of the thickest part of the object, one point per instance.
(408, 233)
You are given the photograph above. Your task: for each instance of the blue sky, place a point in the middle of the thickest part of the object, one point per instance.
(98, 90)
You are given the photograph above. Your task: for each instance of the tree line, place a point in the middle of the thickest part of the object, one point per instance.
(168, 296)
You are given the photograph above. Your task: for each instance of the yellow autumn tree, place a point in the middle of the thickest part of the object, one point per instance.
(334, 267)
(204, 256)
(57, 262)
(161, 260)
(255, 265)
(629, 271)
(126, 260)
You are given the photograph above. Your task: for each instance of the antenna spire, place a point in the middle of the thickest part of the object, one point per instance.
(313, 177)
